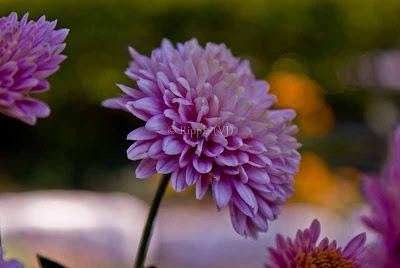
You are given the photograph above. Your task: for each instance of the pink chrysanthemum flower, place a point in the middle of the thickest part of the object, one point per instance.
(29, 53)
(304, 252)
(208, 122)
(383, 196)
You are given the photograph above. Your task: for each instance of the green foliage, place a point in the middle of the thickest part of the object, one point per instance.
(46, 263)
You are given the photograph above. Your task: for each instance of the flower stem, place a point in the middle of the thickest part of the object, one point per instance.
(144, 242)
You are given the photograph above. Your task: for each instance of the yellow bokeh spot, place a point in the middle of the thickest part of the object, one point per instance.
(316, 183)
(155, 179)
(318, 123)
(298, 92)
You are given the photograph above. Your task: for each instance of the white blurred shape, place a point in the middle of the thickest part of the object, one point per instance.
(59, 215)
(77, 229)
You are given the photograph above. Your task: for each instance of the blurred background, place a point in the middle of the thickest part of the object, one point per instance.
(337, 63)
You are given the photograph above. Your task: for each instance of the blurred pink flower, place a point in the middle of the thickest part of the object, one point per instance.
(304, 252)
(29, 53)
(384, 199)
(208, 122)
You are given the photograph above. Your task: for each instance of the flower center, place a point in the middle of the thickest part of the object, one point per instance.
(318, 258)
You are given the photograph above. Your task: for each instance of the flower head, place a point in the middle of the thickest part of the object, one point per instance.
(384, 199)
(208, 122)
(29, 53)
(304, 252)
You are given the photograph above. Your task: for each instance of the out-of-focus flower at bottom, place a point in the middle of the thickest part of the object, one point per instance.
(218, 246)
(9, 263)
(304, 252)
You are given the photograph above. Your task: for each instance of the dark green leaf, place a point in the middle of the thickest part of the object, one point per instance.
(46, 263)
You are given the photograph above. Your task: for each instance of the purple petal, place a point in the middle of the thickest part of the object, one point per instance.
(242, 205)
(137, 112)
(173, 145)
(258, 175)
(141, 133)
(146, 168)
(135, 94)
(315, 230)
(192, 176)
(186, 156)
(222, 192)
(262, 225)
(149, 105)
(234, 143)
(149, 88)
(213, 150)
(59, 36)
(159, 124)
(202, 186)
(245, 193)
(155, 150)
(203, 164)
(42, 86)
(355, 245)
(228, 158)
(141, 60)
(26, 84)
(166, 166)
(178, 180)
(265, 209)
(34, 107)
(138, 150)
(238, 220)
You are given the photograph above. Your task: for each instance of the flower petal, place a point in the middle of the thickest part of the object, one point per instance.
(159, 124)
(166, 166)
(178, 181)
(146, 168)
(222, 192)
(203, 164)
(173, 145)
(141, 133)
(202, 186)
(355, 245)
(245, 193)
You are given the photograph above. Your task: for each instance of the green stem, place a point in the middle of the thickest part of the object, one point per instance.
(144, 243)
